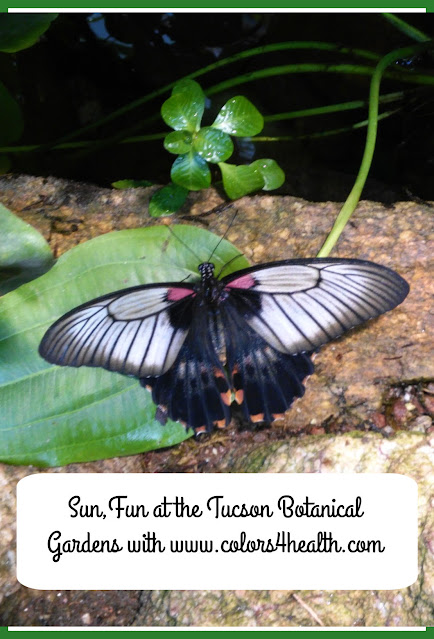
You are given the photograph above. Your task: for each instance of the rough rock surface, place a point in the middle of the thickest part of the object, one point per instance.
(377, 377)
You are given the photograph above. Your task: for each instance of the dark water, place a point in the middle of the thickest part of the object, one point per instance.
(87, 66)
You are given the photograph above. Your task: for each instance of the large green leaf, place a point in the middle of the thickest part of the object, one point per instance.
(52, 415)
(184, 108)
(239, 117)
(191, 171)
(24, 254)
(21, 30)
(240, 180)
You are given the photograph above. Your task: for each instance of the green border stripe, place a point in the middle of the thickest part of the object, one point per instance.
(240, 5)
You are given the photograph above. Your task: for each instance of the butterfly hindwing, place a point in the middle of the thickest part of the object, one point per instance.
(195, 390)
(265, 381)
(138, 331)
(298, 305)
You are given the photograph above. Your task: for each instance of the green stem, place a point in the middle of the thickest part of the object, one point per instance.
(322, 134)
(332, 108)
(371, 134)
(406, 28)
(80, 144)
(401, 74)
(249, 77)
(272, 71)
(343, 106)
(159, 136)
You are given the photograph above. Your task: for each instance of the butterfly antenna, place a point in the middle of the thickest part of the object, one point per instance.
(223, 236)
(227, 264)
(183, 243)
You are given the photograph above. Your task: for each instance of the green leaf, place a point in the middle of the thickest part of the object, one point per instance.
(131, 184)
(191, 89)
(191, 172)
(239, 117)
(213, 145)
(271, 172)
(240, 180)
(54, 415)
(178, 142)
(21, 30)
(11, 119)
(184, 109)
(167, 200)
(24, 254)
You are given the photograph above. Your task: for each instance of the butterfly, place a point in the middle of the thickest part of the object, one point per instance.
(246, 338)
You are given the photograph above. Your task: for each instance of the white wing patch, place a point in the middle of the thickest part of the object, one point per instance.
(130, 333)
(303, 306)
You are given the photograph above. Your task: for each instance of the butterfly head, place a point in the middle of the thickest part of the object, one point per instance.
(206, 270)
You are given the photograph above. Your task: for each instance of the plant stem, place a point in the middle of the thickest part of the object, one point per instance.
(406, 28)
(371, 134)
(405, 76)
(263, 73)
(322, 134)
(332, 108)
(278, 46)
(79, 144)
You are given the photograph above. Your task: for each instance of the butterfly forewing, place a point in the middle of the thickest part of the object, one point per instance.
(298, 305)
(137, 332)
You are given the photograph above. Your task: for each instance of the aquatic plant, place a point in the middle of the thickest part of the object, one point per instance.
(198, 146)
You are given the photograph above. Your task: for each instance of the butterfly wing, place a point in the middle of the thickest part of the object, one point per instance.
(137, 331)
(265, 381)
(195, 390)
(271, 317)
(298, 305)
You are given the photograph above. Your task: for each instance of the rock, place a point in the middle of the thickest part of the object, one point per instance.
(354, 377)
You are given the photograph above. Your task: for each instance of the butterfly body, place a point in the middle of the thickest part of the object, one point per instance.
(247, 337)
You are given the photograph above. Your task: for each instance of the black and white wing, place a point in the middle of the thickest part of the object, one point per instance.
(298, 305)
(137, 331)
(196, 389)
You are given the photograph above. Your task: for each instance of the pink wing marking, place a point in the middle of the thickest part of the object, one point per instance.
(176, 294)
(245, 281)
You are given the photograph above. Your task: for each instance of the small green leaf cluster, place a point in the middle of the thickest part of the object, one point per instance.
(197, 147)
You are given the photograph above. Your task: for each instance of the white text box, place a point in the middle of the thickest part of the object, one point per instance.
(217, 531)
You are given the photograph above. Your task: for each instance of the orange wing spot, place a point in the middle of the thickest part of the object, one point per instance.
(149, 388)
(239, 396)
(257, 418)
(278, 415)
(235, 369)
(199, 430)
(219, 373)
(226, 398)
(220, 423)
